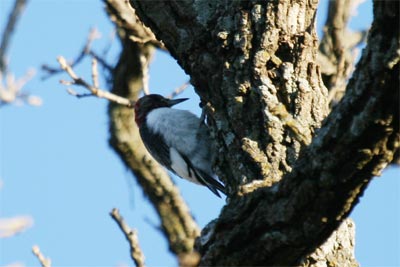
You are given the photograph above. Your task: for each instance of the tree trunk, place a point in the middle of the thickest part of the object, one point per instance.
(293, 170)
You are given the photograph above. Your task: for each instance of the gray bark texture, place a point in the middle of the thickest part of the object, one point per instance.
(294, 169)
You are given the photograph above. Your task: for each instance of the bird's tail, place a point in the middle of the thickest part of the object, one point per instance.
(210, 182)
(204, 178)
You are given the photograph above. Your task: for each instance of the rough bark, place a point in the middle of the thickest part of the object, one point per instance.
(254, 68)
(177, 223)
(338, 48)
(338, 250)
(253, 65)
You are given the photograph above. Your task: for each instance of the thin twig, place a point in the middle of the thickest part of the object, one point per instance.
(179, 90)
(111, 40)
(140, 40)
(74, 93)
(17, 10)
(131, 235)
(101, 60)
(86, 50)
(11, 90)
(45, 262)
(95, 73)
(145, 74)
(15, 225)
(94, 90)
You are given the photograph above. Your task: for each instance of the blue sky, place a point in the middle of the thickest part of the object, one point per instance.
(56, 165)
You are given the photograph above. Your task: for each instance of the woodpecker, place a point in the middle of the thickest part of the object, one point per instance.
(177, 139)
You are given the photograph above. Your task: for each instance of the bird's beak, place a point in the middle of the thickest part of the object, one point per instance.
(172, 102)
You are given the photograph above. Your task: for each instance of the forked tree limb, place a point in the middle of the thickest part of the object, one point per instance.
(321, 183)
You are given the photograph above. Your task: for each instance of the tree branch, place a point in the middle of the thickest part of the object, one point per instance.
(45, 262)
(360, 136)
(92, 88)
(254, 58)
(179, 90)
(177, 223)
(19, 6)
(338, 250)
(86, 50)
(132, 237)
(14, 225)
(124, 16)
(337, 48)
(11, 90)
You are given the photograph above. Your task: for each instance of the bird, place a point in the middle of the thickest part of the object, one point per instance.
(177, 139)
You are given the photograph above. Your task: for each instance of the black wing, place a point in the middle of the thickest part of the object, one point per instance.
(204, 178)
(156, 145)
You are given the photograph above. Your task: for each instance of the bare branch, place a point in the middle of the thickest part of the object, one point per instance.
(94, 90)
(101, 60)
(86, 50)
(140, 40)
(337, 52)
(15, 225)
(130, 235)
(45, 262)
(124, 16)
(179, 90)
(176, 222)
(15, 264)
(93, 34)
(74, 93)
(11, 90)
(15, 14)
(95, 73)
(144, 66)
